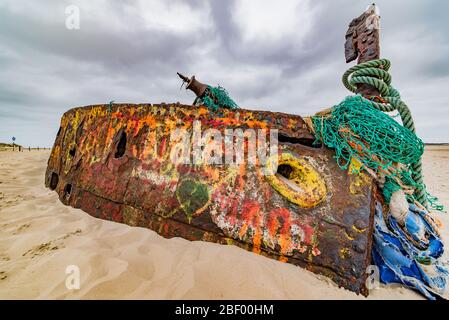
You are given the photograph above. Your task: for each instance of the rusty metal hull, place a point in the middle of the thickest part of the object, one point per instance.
(132, 180)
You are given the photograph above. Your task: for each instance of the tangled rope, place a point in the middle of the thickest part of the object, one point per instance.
(375, 73)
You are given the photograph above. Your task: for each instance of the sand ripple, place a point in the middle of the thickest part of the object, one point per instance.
(40, 237)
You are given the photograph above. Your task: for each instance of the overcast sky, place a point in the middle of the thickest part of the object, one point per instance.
(273, 55)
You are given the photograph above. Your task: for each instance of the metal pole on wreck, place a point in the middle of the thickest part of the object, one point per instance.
(363, 41)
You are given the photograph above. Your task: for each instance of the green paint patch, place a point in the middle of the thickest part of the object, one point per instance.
(193, 197)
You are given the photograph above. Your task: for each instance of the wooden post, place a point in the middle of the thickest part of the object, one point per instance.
(363, 41)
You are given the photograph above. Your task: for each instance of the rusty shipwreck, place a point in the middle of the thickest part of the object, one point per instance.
(113, 162)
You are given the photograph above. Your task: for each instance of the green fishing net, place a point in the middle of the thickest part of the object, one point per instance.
(217, 97)
(355, 129)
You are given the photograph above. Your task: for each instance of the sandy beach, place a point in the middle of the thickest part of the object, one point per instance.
(40, 237)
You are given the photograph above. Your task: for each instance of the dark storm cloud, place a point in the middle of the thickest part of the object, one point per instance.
(130, 51)
(102, 46)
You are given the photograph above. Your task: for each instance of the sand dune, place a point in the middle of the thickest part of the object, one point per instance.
(40, 237)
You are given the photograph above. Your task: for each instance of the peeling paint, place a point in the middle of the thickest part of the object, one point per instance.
(117, 162)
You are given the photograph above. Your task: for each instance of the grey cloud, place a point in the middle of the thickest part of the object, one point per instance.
(47, 69)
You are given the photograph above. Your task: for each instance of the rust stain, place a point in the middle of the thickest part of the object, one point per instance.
(114, 162)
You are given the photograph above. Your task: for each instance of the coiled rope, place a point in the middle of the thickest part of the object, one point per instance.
(375, 73)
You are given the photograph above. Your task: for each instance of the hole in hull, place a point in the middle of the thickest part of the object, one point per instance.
(67, 190)
(285, 170)
(121, 146)
(54, 179)
(302, 141)
(290, 176)
(72, 152)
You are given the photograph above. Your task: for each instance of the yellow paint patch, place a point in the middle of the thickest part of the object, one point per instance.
(304, 186)
(358, 179)
(355, 166)
(358, 230)
(97, 111)
(345, 253)
(349, 237)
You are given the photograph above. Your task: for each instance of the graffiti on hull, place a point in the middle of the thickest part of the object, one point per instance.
(150, 166)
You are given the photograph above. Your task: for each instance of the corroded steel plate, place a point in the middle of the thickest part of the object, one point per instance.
(114, 162)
